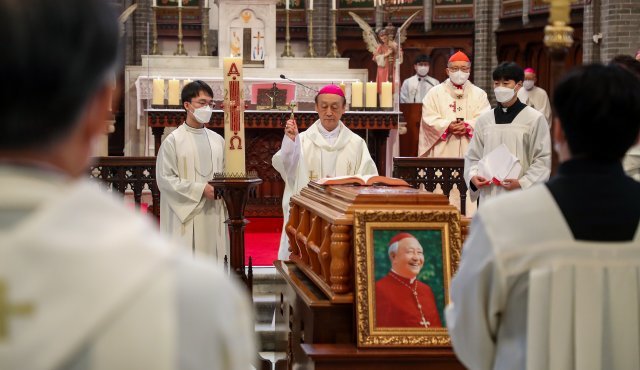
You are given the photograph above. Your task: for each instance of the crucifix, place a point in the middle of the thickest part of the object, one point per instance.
(273, 95)
(258, 49)
(453, 106)
(8, 309)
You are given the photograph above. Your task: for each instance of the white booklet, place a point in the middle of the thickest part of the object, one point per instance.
(499, 164)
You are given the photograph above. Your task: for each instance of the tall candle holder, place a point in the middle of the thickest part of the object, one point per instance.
(155, 50)
(333, 53)
(287, 45)
(311, 53)
(204, 44)
(180, 49)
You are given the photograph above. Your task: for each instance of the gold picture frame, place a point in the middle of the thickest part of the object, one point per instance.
(440, 232)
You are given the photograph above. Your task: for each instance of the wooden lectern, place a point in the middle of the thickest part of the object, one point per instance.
(319, 302)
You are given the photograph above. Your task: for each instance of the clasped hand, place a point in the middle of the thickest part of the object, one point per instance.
(457, 128)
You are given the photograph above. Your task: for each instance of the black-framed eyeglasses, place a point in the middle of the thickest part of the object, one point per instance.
(202, 103)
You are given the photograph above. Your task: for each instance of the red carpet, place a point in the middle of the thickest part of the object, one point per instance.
(261, 240)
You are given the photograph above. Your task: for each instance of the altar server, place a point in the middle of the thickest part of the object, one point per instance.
(522, 129)
(450, 110)
(187, 160)
(548, 277)
(534, 96)
(326, 149)
(415, 88)
(85, 283)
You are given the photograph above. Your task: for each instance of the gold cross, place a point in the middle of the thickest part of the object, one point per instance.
(8, 309)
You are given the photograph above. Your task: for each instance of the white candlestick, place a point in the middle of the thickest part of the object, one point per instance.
(372, 94)
(158, 92)
(356, 94)
(206, 4)
(173, 94)
(234, 148)
(155, 2)
(179, 3)
(386, 100)
(333, 4)
(310, 4)
(286, 4)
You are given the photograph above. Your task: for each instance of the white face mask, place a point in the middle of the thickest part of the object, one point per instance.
(203, 114)
(422, 70)
(528, 84)
(504, 94)
(459, 77)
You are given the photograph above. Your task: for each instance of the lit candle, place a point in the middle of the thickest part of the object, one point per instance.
(206, 4)
(158, 92)
(356, 94)
(333, 4)
(372, 95)
(343, 87)
(286, 4)
(155, 2)
(386, 100)
(174, 92)
(179, 3)
(233, 116)
(310, 4)
(186, 82)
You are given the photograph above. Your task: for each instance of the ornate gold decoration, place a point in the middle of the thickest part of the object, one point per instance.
(8, 309)
(558, 35)
(333, 53)
(246, 16)
(369, 336)
(311, 52)
(180, 50)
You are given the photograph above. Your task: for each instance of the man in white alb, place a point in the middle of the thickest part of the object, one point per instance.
(187, 160)
(449, 112)
(534, 96)
(416, 87)
(522, 129)
(86, 283)
(326, 149)
(548, 277)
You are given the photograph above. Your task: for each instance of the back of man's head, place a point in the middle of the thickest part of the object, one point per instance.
(55, 55)
(598, 107)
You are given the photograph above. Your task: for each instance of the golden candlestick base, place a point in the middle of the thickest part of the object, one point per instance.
(311, 53)
(287, 46)
(204, 44)
(333, 53)
(155, 50)
(180, 49)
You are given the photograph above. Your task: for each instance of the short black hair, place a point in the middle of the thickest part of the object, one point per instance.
(422, 58)
(507, 71)
(595, 97)
(55, 57)
(193, 89)
(628, 62)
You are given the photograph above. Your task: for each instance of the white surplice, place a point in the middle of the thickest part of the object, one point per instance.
(631, 162)
(443, 104)
(498, 285)
(317, 153)
(527, 137)
(106, 290)
(537, 99)
(415, 88)
(187, 160)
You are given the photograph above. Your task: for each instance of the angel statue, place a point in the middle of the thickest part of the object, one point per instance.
(387, 49)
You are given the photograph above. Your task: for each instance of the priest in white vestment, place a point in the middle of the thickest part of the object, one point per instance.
(187, 160)
(326, 149)
(548, 275)
(522, 129)
(449, 112)
(535, 96)
(86, 283)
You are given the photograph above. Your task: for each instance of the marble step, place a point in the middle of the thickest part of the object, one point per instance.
(264, 306)
(271, 337)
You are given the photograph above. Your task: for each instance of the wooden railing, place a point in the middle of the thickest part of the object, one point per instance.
(136, 174)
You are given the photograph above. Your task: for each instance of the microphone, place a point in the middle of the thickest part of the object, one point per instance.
(296, 82)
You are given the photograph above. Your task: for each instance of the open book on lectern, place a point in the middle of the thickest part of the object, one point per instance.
(368, 180)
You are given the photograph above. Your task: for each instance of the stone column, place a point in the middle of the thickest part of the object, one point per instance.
(484, 51)
(321, 27)
(590, 28)
(619, 20)
(427, 10)
(138, 46)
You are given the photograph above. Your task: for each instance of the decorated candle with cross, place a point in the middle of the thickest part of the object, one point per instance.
(233, 117)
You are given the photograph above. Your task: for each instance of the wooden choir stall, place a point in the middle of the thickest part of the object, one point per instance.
(338, 236)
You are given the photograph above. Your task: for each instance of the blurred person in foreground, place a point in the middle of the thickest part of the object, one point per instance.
(587, 214)
(84, 282)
